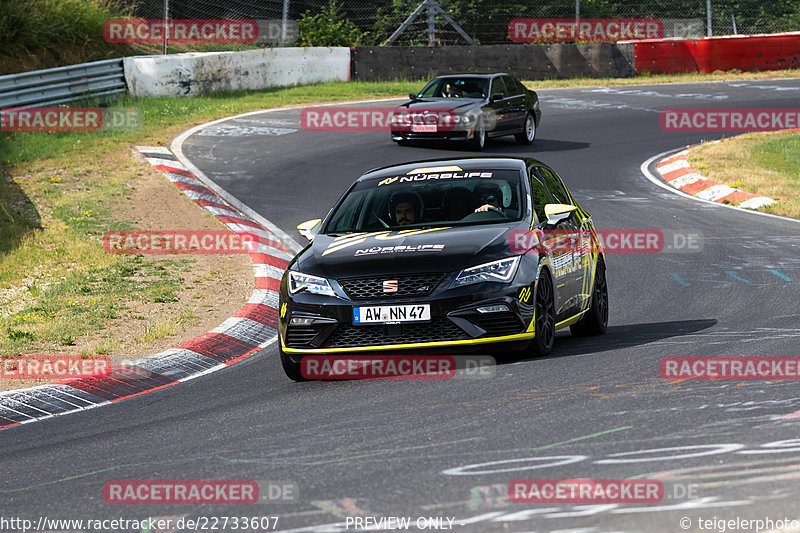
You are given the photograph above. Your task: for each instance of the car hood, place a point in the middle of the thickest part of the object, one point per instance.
(457, 105)
(405, 251)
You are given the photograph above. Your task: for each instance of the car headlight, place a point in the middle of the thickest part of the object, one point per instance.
(299, 282)
(502, 270)
(465, 119)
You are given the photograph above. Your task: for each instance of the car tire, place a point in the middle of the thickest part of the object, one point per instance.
(528, 133)
(290, 368)
(478, 141)
(544, 317)
(595, 321)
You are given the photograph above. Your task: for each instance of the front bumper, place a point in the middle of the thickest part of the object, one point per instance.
(455, 321)
(454, 135)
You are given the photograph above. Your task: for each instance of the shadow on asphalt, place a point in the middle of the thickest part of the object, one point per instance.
(499, 146)
(618, 337)
(508, 146)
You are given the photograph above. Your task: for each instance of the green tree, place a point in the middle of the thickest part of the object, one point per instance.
(329, 27)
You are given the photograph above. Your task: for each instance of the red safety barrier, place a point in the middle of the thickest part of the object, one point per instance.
(744, 52)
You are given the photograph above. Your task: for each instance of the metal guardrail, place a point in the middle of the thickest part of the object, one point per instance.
(63, 84)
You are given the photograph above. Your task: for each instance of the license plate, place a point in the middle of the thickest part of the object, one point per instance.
(384, 314)
(423, 128)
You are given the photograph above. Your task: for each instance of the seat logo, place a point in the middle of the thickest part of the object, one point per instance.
(389, 286)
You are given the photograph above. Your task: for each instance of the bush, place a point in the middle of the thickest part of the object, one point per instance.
(329, 28)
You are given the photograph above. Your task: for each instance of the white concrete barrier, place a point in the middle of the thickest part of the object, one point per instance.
(194, 74)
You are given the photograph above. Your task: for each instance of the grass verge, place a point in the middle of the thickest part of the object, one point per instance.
(61, 191)
(766, 164)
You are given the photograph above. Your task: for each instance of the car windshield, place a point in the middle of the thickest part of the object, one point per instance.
(430, 197)
(456, 87)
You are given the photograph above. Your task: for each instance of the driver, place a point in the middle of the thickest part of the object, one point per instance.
(404, 208)
(451, 90)
(489, 197)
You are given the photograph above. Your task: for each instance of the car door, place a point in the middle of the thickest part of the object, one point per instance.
(568, 256)
(498, 108)
(516, 104)
(540, 197)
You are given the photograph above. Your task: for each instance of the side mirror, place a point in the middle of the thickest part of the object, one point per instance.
(558, 213)
(497, 96)
(310, 228)
(413, 96)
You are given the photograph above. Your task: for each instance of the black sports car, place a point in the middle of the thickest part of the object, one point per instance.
(468, 108)
(443, 253)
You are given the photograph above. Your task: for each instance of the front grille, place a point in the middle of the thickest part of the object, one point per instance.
(437, 330)
(497, 324)
(300, 336)
(408, 285)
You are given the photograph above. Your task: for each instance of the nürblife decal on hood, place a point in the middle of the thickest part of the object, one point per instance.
(346, 241)
(399, 249)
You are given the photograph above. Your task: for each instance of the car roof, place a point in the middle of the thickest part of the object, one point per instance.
(466, 163)
(473, 74)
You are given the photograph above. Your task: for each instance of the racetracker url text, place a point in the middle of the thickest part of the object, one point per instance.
(180, 524)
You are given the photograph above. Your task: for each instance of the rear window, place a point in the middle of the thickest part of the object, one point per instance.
(511, 86)
(430, 197)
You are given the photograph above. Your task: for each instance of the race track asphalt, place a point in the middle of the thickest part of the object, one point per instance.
(597, 408)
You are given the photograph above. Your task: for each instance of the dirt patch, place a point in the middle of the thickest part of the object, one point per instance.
(214, 286)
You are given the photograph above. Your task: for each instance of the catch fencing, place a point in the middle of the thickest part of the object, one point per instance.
(484, 21)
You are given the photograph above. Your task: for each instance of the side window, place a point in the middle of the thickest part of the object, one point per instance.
(498, 87)
(553, 184)
(539, 195)
(520, 86)
(511, 87)
(431, 89)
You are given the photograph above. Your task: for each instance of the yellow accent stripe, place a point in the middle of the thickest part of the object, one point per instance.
(532, 325)
(571, 320)
(507, 338)
(429, 170)
(406, 233)
(528, 335)
(350, 236)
